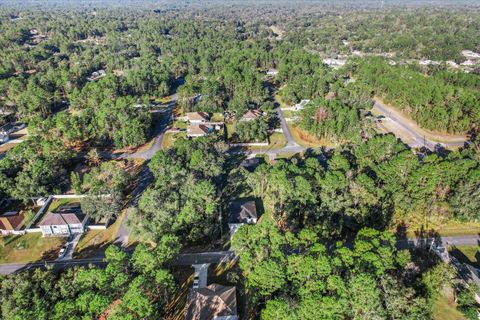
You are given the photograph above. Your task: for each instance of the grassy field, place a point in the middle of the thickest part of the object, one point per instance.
(170, 138)
(466, 254)
(307, 140)
(93, 242)
(216, 117)
(444, 309)
(56, 203)
(180, 124)
(277, 140)
(29, 248)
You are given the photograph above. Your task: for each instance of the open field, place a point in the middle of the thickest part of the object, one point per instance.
(170, 137)
(94, 241)
(307, 140)
(445, 309)
(28, 248)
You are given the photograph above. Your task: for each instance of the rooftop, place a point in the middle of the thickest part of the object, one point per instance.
(242, 211)
(211, 302)
(197, 116)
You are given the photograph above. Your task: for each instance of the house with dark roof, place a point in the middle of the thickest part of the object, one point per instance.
(199, 130)
(11, 222)
(197, 117)
(240, 213)
(7, 129)
(66, 221)
(4, 138)
(215, 302)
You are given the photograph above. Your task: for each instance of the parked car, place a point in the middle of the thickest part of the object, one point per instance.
(196, 282)
(62, 252)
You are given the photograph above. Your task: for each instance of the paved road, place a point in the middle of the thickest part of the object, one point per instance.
(188, 259)
(286, 130)
(9, 268)
(420, 139)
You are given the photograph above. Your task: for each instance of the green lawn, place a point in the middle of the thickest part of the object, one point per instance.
(217, 117)
(29, 248)
(277, 140)
(180, 124)
(445, 310)
(56, 203)
(467, 254)
(170, 138)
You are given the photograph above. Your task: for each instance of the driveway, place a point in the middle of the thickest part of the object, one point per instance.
(71, 245)
(286, 130)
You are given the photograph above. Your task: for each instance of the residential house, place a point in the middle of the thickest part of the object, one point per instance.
(272, 72)
(215, 302)
(97, 75)
(67, 220)
(197, 117)
(240, 213)
(11, 222)
(335, 63)
(199, 130)
(301, 105)
(251, 114)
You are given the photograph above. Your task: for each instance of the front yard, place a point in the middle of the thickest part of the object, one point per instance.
(466, 254)
(30, 247)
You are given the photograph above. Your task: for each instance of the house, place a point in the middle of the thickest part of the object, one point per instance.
(199, 130)
(11, 222)
(68, 220)
(97, 75)
(272, 72)
(215, 302)
(197, 117)
(4, 138)
(334, 62)
(301, 105)
(240, 213)
(251, 114)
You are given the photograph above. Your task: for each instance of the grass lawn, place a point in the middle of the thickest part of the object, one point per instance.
(443, 309)
(230, 127)
(56, 203)
(277, 140)
(216, 117)
(291, 114)
(180, 124)
(29, 248)
(93, 242)
(442, 227)
(170, 138)
(466, 254)
(305, 139)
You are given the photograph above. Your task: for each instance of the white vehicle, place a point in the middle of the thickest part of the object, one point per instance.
(62, 252)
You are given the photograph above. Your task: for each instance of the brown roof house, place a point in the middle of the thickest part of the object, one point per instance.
(199, 130)
(251, 114)
(240, 213)
(197, 117)
(215, 302)
(11, 222)
(66, 221)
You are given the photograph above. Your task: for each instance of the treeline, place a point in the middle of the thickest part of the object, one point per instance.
(378, 183)
(184, 199)
(437, 102)
(136, 286)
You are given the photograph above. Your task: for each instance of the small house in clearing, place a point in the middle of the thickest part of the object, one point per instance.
(215, 302)
(301, 105)
(240, 213)
(197, 117)
(67, 220)
(252, 114)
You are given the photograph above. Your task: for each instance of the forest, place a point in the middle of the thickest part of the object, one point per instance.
(85, 81)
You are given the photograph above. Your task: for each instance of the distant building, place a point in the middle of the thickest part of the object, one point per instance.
(251, 114)
(11, 222)
(66, 221)
(215, 302)
(272, 72)
(197, 117)
(97, 75)
(7, 129)
(301, 105)
(334, 62)
(240, 213)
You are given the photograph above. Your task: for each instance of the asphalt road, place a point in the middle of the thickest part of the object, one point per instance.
(420, 140)
(9, 268)
(286, 130)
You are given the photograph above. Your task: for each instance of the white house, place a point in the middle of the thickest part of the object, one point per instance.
(69, 220)
(240, 213)
(301, 105)
(197, 117)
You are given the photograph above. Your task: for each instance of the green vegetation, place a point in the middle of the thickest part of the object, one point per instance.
(30, 247)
